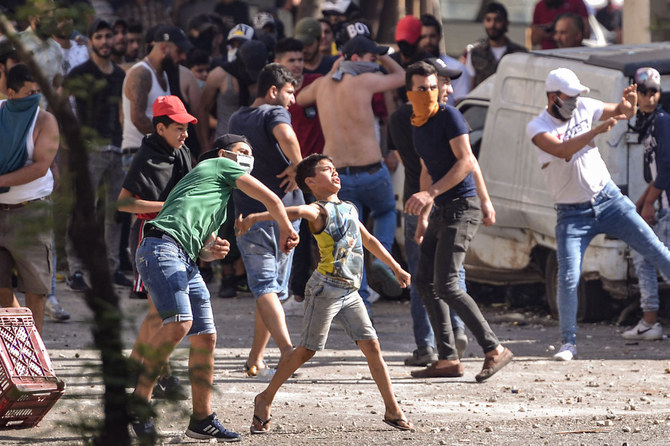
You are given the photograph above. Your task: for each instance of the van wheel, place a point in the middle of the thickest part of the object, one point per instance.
(593, 303)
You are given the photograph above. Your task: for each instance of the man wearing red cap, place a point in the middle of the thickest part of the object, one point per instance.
(185, 229)
(408, 38)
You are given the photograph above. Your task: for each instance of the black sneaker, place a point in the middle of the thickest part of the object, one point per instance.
(76, 282)
(142, 420)
(121, 279)
(145, 431)
(169, 388)
(210, 428)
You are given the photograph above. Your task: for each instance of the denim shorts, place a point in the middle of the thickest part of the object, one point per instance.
(268, 267)
(174, 283)
(326, 299)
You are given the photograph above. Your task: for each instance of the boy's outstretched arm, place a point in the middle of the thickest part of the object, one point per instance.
(309, 212)
(288, 238)
(375, 247)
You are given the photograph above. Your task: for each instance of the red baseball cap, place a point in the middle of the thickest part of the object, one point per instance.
(408, 29)
(173, 108)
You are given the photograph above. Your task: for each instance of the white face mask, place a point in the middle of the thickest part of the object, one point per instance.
(246, 162)
(232, 54)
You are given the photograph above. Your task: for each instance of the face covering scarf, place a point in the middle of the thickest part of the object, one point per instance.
(354, 68)
(16, 118)
(246, 162)
(565, 108)
(424, 106)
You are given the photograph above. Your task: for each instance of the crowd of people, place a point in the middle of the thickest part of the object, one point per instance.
(214, 136)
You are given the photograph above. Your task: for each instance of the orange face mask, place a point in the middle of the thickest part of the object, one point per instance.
(424, 106)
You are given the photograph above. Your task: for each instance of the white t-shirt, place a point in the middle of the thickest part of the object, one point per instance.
(585, 174)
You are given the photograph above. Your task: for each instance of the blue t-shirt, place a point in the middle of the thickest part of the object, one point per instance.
(269, 160)
(431, 141)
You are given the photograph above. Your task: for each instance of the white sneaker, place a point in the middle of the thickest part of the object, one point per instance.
(54, 310)
(293, 308)
(566, 353)
(644, 332)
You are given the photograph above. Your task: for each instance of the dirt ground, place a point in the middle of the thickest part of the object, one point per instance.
(616, 393)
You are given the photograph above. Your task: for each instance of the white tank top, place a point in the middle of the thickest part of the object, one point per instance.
(132, 137)
(38, 188)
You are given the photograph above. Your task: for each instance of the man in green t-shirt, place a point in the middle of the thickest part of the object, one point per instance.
(184, 230)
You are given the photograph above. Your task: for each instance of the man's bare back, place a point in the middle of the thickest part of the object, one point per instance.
(345, 112)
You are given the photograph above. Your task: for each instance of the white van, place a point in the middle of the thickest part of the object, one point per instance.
(521, 246)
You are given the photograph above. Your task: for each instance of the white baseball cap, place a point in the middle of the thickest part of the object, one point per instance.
(565, 81)
(242, 32)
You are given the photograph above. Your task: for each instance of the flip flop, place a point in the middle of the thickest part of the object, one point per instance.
(260, 421)
(395, 424)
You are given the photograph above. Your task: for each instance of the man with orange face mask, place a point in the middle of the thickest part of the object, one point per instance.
(449, 185)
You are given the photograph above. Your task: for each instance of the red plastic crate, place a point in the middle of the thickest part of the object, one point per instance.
(28, 386)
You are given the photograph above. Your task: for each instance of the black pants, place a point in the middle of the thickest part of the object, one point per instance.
(450, 230)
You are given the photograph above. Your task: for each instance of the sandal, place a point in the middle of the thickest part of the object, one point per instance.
(396, 424)
(261, 431)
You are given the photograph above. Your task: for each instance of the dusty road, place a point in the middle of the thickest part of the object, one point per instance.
(616, 393)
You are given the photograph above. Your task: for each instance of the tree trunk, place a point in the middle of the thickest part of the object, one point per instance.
(88, 240)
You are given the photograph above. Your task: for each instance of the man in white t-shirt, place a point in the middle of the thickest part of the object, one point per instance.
(587, 201)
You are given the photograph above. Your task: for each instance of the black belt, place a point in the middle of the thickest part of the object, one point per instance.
(370, 168)
(152, 231)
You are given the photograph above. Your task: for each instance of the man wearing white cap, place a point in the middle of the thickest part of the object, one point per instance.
(652, 124)
(587, 201)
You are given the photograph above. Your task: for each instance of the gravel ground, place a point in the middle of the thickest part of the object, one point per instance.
(616, 393)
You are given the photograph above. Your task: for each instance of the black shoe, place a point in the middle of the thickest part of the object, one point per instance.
(121, 279)
(142, 420)
(169, 388)
(76, 282)
(228, 288)
(145, 431)
(210, 428)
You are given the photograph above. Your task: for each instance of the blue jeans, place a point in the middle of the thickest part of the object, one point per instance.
(646, 272)
(374, 190)
(268, 267)
(611, 213)
(174, 282)
(423, 332)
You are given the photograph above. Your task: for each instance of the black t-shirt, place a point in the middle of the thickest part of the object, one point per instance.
(431, 141)
(98, 97)
(400, 139)
(257, 123)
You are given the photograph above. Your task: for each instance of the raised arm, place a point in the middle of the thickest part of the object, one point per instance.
(288, 238)
(310, 212)
(624, 109)
(46, 141)
(565, 149)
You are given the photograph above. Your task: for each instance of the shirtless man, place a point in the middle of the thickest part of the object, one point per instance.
(344, 99)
